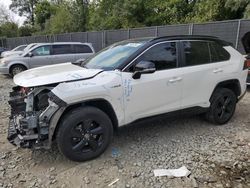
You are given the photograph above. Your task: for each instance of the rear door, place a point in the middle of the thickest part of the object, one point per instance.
(81, 51)
(204, 64)
(40, 56)
(62, 53)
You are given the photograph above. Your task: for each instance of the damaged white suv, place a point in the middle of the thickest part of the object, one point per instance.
(78, 106)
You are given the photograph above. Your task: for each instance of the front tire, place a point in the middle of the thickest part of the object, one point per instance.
(222, 108)
(84, 133)
(15, 69)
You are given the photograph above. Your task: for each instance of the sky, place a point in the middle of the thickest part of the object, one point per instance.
(16, 18)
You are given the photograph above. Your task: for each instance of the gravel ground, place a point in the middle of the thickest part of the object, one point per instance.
(217, 156)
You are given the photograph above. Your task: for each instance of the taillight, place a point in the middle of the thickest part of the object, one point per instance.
(247, 64)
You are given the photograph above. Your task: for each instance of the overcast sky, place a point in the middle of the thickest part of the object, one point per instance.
(16, 18)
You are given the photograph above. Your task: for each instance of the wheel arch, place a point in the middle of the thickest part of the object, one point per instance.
(17, 63)
(233, 84)
(101, 104)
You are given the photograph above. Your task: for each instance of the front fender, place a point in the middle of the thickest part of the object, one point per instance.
(106, 86)
(10, 64)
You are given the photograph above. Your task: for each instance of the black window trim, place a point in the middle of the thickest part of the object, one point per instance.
(182, 53)
(132, 63)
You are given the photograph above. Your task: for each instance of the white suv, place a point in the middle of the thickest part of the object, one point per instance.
(80, 105)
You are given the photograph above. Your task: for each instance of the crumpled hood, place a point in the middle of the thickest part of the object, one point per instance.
(53, 74)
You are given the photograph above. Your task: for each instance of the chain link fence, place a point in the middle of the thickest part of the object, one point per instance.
(231, 31)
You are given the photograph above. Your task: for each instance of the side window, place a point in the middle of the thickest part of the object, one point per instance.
(196, 52)
(78, 48)
(218, 53)
(164, 56)
(61, 49)
(41, 51)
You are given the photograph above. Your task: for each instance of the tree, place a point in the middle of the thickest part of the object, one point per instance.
(61, 22)
(59, 16)
(81, 14)
(43, 12)
(25, 8)
(115, 14)
(237, 8)
(25, 30)
(247, 12)
(9, 29)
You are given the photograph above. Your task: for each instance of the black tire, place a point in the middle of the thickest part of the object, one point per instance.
(15, 69)
(222, 108)
(84, 133)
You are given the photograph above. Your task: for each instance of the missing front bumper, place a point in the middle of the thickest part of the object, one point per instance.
(29, 124)
(16, 138)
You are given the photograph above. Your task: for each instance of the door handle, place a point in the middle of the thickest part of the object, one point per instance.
(217, 70)
(175, 79)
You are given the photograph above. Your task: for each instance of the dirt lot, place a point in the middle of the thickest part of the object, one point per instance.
(217, 156)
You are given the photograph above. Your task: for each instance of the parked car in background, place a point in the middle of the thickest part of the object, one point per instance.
(46, 54)
(18, 50)
(78, 106)
(2, 49)
(248, 65)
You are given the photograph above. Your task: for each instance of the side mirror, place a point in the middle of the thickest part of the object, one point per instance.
(143, 67)
(30, 54)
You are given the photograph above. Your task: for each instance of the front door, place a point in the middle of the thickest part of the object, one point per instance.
(154, 93)
(40, 57)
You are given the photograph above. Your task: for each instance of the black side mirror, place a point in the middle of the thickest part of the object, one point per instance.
(143, 67)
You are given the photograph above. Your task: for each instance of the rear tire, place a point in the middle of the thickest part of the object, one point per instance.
(15, 69)
(222, 108)
(84, 133)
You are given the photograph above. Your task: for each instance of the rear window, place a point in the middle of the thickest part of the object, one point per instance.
(218, 53)
(203, 52)
(61, 49)
(82, 49)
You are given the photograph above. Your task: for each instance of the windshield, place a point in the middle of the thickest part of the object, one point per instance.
(19, 48)
(113, 56)
(29, 47)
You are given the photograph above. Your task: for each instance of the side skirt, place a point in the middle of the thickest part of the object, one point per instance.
(179, 113)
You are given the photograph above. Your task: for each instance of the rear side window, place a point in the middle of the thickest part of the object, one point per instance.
(162, 55)
(203, 52)
(78, 48)
(61, 49)
(218, 53)
(196, 52)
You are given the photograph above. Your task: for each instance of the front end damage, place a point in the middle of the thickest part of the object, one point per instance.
(31, 112)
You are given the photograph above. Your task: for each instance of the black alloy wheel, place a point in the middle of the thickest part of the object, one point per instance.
(84, 133)
(222, 108)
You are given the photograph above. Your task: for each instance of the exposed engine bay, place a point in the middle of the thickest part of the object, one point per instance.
(31, 111)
